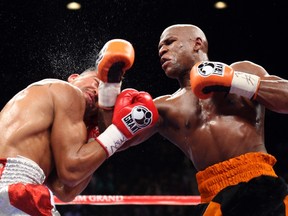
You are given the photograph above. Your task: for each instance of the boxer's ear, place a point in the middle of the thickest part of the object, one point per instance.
(72, 77)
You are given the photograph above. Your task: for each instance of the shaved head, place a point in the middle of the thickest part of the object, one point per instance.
(190, 31)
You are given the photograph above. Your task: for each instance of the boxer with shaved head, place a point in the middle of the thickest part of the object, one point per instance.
(216, 118)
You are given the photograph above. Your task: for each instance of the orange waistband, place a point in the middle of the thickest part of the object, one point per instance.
(239, 169)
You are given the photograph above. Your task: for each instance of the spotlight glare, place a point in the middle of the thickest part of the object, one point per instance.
(220, 5)
(73, 6)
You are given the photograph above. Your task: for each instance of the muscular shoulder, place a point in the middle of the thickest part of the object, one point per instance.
(47, 82)
(62, 93)
(57, 87)
(164, 103)
(161, 99)
(249, 67)
(161, 104)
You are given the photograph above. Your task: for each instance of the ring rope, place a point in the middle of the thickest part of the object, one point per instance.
(130, 200)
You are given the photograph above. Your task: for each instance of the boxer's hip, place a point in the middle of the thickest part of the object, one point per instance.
(20, 169)
(22, 191)
(233, 171)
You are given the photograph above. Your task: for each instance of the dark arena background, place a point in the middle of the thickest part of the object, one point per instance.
(43, 39)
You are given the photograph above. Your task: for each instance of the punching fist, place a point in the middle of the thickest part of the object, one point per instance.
(207, 77)
(114, 59)
(134, 111)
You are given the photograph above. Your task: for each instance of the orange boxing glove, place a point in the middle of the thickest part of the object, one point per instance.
(114, 59)
(207, 77)
(134, 111)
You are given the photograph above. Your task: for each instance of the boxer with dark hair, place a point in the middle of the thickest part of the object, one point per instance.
(44, 147)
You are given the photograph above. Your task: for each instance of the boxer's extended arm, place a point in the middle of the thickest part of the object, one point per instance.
(134, 113)
(144, 135)
(139, 138)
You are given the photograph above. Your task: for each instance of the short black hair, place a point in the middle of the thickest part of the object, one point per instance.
(88, 70)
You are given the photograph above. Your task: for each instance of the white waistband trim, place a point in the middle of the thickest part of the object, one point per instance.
(21, 169)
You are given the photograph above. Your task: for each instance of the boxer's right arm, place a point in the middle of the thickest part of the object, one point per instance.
(64, 192)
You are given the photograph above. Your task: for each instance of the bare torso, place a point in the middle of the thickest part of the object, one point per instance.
(25, 130)
(212, 130)
(209, 132)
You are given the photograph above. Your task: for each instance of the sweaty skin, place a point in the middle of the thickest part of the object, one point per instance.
(47, 123)
(221, 127)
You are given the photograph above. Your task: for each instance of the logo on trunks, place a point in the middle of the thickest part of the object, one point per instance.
(210, 68)
(140, 117)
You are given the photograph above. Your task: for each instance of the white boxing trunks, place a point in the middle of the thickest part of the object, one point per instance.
(22, 191)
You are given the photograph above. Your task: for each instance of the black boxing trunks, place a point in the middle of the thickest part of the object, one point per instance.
(244, 185)
(22, 191)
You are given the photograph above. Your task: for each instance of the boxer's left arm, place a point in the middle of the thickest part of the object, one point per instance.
(272, 91)
(207, 77)
(243, 78)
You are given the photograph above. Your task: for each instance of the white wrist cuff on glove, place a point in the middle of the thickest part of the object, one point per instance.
(245, 84)
(107, 94)
(111, 139)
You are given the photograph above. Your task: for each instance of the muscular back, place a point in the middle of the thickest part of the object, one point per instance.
(26, 122)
